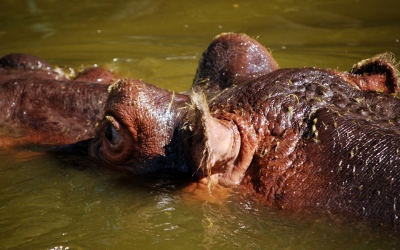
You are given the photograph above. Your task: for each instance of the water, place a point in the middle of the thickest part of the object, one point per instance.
(62, 200)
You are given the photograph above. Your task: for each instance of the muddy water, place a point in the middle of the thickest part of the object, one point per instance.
(63, 201)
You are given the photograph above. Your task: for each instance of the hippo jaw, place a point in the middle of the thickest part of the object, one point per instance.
(138, 132)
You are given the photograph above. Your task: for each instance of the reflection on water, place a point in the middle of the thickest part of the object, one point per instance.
(49, 201)
(61, 201)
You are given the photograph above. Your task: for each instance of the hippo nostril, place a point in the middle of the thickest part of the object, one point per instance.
(111, 134)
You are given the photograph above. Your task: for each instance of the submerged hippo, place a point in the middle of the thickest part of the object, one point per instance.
(308, 139)
(40, 105)
(304, 138)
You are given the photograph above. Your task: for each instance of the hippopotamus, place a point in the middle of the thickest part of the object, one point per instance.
(41, 105)
(301, 139)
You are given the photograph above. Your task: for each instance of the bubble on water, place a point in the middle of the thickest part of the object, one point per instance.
(59, 248)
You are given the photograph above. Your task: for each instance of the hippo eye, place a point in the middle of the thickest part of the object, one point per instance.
(111, 134)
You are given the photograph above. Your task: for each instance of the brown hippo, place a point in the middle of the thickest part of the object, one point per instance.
(40, 105)
(309, 139)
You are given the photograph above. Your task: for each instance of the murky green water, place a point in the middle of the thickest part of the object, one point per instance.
(61, 201)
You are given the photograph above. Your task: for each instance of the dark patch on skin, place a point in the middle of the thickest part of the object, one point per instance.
(24, 62)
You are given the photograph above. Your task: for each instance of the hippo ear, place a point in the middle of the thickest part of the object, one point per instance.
(378, 73)
(95, 74)
(232, 59)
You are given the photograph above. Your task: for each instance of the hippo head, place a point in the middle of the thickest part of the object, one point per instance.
(146, 128)
(143, 125)
(139, 124)
(45, 105)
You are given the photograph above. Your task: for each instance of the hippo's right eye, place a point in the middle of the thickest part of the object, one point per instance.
(111, 134)
(116, 143)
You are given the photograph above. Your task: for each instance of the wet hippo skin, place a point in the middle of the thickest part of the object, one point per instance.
(299, 139)
(40, 106)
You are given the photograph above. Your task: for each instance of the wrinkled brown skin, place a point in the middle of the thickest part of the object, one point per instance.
(140, 128)
(319, 143)
(41, 107)
(299, 139)
(308, 139)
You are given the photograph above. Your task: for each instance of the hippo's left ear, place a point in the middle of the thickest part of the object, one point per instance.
(378, 73)
(232, 59)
